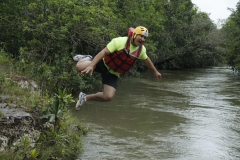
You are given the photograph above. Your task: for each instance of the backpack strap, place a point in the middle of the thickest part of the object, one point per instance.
(127, 48)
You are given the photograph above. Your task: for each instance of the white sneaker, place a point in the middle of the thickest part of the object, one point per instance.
(79, 57)
(81, 100)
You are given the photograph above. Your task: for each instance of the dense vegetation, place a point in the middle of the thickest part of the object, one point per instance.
(43, 36)
(232, 31)
(53, 126)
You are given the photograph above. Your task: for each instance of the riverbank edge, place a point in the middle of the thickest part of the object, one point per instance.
(55, 139)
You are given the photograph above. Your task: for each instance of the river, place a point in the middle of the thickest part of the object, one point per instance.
(189, 115)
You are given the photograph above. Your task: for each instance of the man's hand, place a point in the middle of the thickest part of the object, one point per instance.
(95, 60)
(89, 70)
(150, 65)
(158, 76)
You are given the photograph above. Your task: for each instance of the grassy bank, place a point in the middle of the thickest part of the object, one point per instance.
(59, 133)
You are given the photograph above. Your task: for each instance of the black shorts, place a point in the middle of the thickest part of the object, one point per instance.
(107, 77)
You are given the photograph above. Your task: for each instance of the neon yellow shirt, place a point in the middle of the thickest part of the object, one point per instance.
(118, 44)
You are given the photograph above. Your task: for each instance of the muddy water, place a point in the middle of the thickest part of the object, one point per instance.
(190, 115)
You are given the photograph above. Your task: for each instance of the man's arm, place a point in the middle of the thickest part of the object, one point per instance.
(151, 66)
(95, 60)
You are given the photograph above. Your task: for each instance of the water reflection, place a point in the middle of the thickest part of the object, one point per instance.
(191, 114)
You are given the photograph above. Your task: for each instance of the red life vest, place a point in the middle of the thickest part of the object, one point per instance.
(122, 61)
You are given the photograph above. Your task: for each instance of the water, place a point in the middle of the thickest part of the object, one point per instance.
(189, 115)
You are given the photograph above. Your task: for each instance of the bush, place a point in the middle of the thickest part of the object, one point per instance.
(60, 133)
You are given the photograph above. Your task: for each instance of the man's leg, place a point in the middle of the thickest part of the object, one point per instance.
(109, 85)
(83, 63)
(107, 94)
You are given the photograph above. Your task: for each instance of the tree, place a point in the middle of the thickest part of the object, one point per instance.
(190, 39)
(232, 31)
(44, 35)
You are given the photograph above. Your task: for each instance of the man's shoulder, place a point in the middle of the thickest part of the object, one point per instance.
(120, 39)
(117, 44)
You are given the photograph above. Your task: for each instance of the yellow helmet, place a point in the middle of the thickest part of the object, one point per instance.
(140, 30)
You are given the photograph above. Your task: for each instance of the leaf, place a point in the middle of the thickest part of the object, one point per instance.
(52, 118)
(34, 153)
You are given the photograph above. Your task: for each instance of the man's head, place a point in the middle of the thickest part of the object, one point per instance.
(139, 35)
(140, 30)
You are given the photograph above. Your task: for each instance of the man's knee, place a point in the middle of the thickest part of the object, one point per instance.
(108, 97)
(82, 64)
(79, 67)
(109, 92)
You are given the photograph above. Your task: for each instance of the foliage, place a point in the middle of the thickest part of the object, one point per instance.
(54, 31)
(190, 38)
(231, 29)
(58, 107)
(60, 133)
(44, 35)
(204, 44)
(22, 96)
(11, 37)
(4, 59)
(62, 145)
